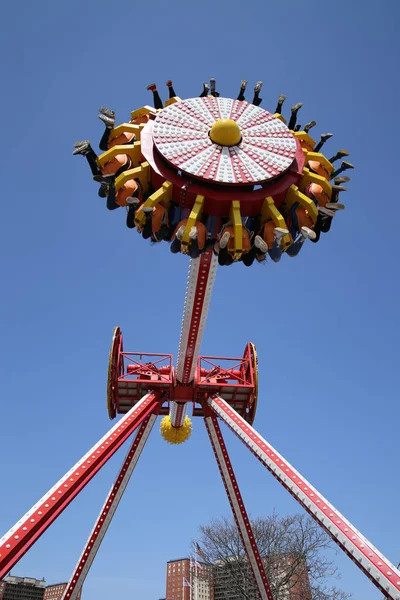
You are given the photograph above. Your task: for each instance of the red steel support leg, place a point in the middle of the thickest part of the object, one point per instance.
(377, 568)
(238, 509)
(24, 534)
(107, 512)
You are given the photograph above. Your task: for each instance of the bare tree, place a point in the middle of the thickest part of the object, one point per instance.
(291, 547)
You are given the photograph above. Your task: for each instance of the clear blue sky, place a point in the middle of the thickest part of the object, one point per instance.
(326, 324)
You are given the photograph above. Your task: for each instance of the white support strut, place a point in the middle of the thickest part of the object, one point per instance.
(376, 566)
(238, 509)
(107, 512)
(200, 284)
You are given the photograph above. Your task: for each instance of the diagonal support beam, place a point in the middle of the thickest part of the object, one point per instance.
(374, 565)
(200, 283)
(99, 530)
(24, 534)
(238, 509)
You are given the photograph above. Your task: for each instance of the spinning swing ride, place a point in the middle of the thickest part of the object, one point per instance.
(225, 182)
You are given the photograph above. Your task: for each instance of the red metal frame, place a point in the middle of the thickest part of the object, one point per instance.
(234, 383)
(99, 530)
(20, 538)
(374, 565)
(237, 506)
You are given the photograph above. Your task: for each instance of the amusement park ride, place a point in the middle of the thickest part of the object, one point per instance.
(216, 162)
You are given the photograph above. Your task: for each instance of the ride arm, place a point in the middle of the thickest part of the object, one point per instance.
(238, 509)
(109, 507)
(24, 534)
(374, 565)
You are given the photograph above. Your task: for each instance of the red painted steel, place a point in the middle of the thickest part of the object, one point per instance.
(374, 565)
(109, 507)
(238, 508)
(21, 537)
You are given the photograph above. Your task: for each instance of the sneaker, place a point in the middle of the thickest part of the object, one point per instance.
(258, 86)
(326, 136)
(212, 85)
(152, 87)
(223, 242)
(296, 107)
(326, 211)
(346, 165)
(179, 233)
(280, 233)
(281, 99)
(133, 200)
(107, 111)
(108, 121)
(339, 188)
(243, 85)
(206, 87)
(104, 178)
(308, 233)
(260, 244)
(339, 180)
(81, 147)
(169, 83)
(309, 125)
(335, 206)
(193, 233)
(148, 209)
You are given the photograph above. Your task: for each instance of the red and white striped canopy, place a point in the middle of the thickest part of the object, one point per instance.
(181, 135)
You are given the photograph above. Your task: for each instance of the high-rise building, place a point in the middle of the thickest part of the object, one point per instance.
(189, 580)
(22, 588)
(297, 586)
(56, 591)
(28, 588)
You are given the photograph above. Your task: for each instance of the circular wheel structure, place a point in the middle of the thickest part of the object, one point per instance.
(115, 370)
(224, 141)
(251, 353)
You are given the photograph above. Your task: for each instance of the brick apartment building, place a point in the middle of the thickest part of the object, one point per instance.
(28, 588)
(189, 580)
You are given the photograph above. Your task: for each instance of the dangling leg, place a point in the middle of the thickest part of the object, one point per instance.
(212, 88)
(308, 126)
(293, 117)
(194, 250)
(281, 100)
(297, 128)
(343, 167)
(256, 98)
(108, 117)
(334, 203)
(242, 90)
(275, 252)
(249, 257)
(224, 258)
(156, 96)
(324, 138)
(339, 154)
(171, 90)
(339, 180)
(205, 91)
(111, 203)
(83, 147)
(148, 226)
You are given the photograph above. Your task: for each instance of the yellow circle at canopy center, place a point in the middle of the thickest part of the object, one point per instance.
(225, 132)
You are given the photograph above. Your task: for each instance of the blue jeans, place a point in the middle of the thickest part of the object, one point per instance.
(295, 248)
